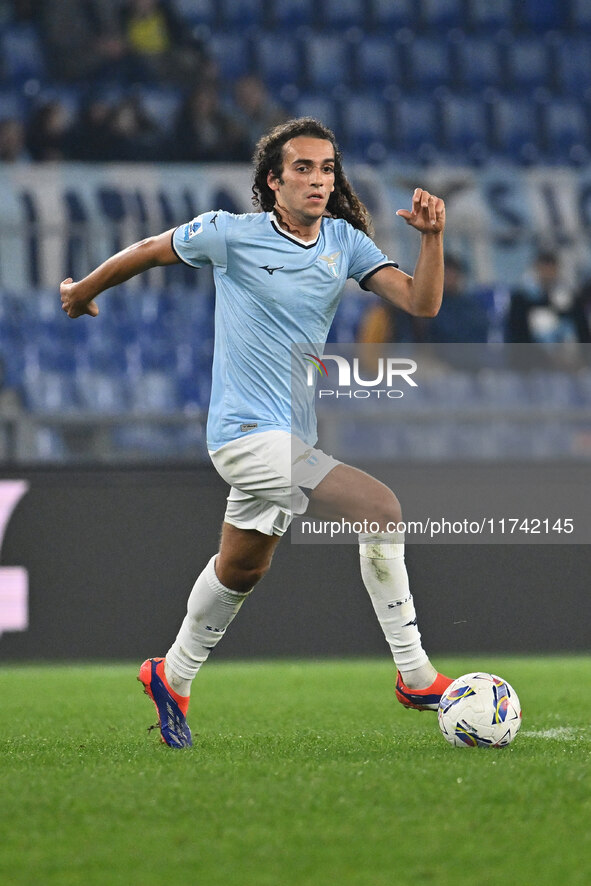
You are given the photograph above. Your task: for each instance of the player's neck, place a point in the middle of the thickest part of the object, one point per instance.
(296, 226)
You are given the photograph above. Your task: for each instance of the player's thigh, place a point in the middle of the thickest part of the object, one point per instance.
(244, 556)
(352, 494)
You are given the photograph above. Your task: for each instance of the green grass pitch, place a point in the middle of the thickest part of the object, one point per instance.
(302, 774)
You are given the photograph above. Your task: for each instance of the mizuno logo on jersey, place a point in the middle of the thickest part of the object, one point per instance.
(214, 220)
(331, 262)
(269, 270)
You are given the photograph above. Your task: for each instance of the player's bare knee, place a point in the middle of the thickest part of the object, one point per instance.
(387, 511)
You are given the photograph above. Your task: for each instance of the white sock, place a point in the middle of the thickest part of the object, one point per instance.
(384, 574)
(210, 609)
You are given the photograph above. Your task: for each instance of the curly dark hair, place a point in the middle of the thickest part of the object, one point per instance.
(268, 157)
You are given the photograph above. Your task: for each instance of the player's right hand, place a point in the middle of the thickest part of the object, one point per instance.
(73, 303)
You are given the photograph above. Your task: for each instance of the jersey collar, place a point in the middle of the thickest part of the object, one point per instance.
(305, 244)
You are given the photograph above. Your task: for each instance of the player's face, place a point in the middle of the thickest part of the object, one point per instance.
(307, 180)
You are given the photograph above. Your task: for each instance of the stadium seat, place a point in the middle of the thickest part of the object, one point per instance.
(528, 64)
(340, 14)
(232, 54)
(416, 124)
(439, 15)
(565, 125)
(486, 17)
(376, 63)
(364, 121)
(386, 16)
(196, 12)
(573, 65)
(515, 125)
(12, 105)
(543, 15)
(102, 393)
(314, 105)
(289, 14)
(240, 14)
(580, 15)
(429, 63)
(464, 121)
(278, 59)
(154, 391)
(50, 392)
(478, 64)
(21, 52)
(327, 61)
(161, 104)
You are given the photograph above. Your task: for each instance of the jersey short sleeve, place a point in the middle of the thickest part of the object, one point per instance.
(365, 258)
(202, 241)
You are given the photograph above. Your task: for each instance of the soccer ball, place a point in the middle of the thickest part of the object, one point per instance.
(479, 710)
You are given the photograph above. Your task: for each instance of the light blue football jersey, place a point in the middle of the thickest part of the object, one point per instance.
(272, 290)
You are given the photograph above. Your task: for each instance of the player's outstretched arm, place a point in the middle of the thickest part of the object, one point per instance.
(78, 297)
(421, 294)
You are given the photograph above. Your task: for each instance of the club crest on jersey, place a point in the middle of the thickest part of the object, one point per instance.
(193, 228)
(331, 262)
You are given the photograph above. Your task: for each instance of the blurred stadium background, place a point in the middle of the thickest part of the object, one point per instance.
(121, 119)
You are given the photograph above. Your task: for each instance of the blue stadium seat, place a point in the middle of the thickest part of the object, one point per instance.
(12, 105)
(50, 392)
(376, 63)
(340, 14)
(102, 393)
(464, 123)
(278, 59)
(486, 17)
(21, 53)
(573, 65)
(565, 126)
(429, 63)
(386, 16)
(478, 63)
(290, 14)
(515, 125)
(364, 122)
(154, 391)
(416, 124)
(543, 15)
(161, 104)
(327, 61)
(232, 53)
(314, 105)
(528, 64)
(49, 445)
(439, 15)
(196, 12)
(240, 14)
(580, 15)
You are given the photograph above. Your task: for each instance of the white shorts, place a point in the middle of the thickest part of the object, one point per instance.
(268, 472)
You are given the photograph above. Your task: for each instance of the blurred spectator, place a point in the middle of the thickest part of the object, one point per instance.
(49, 132)
(545, 308)
(90, 131)
(257, 113)
(130, 134)
(12, 141)
(463, 316)
(205, 132)
(83, 38)
(160, 45)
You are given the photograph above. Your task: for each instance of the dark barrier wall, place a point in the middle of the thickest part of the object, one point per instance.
(111, 557)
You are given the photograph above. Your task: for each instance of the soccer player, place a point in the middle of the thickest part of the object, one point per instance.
(279, 274)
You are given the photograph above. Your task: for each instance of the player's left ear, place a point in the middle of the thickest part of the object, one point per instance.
(272, 181)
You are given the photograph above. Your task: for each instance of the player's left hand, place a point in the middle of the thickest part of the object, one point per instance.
(427, 214)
